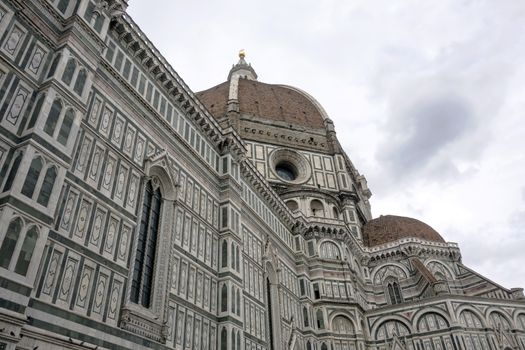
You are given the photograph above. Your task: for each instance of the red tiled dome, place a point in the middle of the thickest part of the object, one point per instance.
(390, 228)
(267, 101)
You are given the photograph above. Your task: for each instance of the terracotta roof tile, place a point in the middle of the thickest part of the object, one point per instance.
(266, 101)
(390, 228)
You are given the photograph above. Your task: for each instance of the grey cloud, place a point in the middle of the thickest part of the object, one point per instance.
(418, 135)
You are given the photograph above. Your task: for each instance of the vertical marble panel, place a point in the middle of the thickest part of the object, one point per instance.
(16, 108)
(83, 217)
(84, 288)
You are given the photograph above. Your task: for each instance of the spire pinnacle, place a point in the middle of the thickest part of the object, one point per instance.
(242, 68)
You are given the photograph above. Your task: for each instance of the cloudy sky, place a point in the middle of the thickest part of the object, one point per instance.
(427, 98)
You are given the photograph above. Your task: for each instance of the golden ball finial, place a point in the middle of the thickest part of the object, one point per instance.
(242, 53)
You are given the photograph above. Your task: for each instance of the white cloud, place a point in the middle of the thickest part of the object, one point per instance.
(427, 98)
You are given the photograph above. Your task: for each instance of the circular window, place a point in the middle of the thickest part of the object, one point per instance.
(286, 171)
(290, 166)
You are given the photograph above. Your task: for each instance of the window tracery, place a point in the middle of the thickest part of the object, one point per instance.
(143, 270)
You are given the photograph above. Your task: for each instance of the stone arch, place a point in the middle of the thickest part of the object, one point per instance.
(338, 316)
(430, 321)
(495, 316)
(417, 316)
(381, 272)
(473, 311)
(519, 319)
(166, 183)
(329, 249)
(437, 266)
(384, 328)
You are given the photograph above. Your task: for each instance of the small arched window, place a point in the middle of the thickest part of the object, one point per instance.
(320, 319)
(224, 253)
(335, 213)
(394, 291)
(52, 117)
(143, 269)
(65, 129)
(32, 177)
(305, 317)
(324, 347)
(26, 252)
(317, 208)
(224, 298)
(47, 186)
(69, 71)
(308, 345)
(292, 205)
(9, 243)
(13, 171)
(81, 81)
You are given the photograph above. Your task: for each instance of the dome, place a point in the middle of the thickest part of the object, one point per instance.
(390, 228)
(277, 103)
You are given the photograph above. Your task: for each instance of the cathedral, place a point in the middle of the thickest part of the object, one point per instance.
(138, 214)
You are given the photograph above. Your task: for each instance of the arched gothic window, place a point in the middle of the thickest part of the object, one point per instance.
(224, 339)
(308, 345)
(224, 253)
(305, 317)
(234, 294)
(393, 291)
(142, 283)
(9, 243)
(238, 298)
(47, 186)
(330, 250)
(65, 129)
(53, 66)
(71, 66)
(32, 177)
(324, 347)
(52, 117)
(13, 171)
(80, 82)
(224, 298)
(237, 259)
(26, 252)
(233, 256)
(36, 111)
(320, 319)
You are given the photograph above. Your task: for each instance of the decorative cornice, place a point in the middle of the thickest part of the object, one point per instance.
(138, 45)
